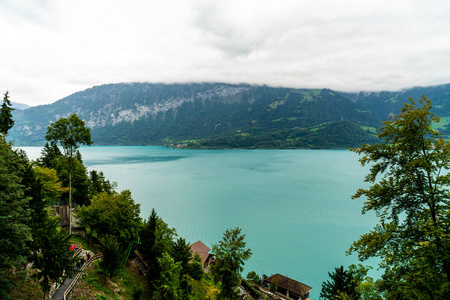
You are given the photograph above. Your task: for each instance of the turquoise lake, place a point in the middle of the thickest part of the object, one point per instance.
(294, 206)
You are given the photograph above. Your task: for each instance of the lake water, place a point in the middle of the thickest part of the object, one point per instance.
(294, 206)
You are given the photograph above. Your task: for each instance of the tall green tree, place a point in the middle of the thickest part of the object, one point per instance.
(15, 233)
(52, 188)
(69, 133)
(6, 118)
(51, 255)
(49, 155)
(113, 256)
(49, 248)
(113, 214)
(182, 253)
(230, 254)
(79, 180)
(167, 286)
(156, 238)
(195, 267)
(99, 184)
(342, 285)
(409, 193)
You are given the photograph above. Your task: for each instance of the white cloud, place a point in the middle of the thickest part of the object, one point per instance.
(53, 48)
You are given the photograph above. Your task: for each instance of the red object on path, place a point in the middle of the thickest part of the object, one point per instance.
(72, 247)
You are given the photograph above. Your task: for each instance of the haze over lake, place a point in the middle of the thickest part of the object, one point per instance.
(294, 206)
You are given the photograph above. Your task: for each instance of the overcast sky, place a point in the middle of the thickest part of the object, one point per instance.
(53, 48)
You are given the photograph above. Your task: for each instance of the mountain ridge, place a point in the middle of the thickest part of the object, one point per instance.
(219, 115)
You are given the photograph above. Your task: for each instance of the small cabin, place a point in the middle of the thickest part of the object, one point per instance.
(289, 288)
(63, 212)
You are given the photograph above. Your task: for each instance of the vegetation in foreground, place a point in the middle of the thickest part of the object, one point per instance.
(110, 219)
(409, 192)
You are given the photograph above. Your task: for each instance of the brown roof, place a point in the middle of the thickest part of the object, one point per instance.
(289, 284)
(198, 246)
(201, 249)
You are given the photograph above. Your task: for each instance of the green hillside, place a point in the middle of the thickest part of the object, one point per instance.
(216, 115)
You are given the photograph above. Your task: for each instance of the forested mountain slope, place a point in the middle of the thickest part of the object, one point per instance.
(384, 104)
(217, 115)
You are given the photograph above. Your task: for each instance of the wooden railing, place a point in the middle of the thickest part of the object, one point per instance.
(79, 249)
(80, 273)
(141, 259)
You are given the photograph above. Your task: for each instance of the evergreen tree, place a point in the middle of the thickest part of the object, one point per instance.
(181, 252)
(342, 286)
(167, 286)
(49, 155)
(15, 233)
(113, 256)
(51, 253)
(148, 236)
(6, 118)
(49, 247)
(98, 184)
(195, 268)
(156, 238)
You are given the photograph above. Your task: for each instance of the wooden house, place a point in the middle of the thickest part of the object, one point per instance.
(203, 251)
(288, 287)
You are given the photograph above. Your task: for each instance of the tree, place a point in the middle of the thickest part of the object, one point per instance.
(15, 233)
(182, 253)
(148, 236)
(48, 249)
(79, 180)
(168, 283)
(113, 256)
(51, 253)
(51, 186)
(409, 193)
(69, 133)
(342, 285)
(99, 184)
(49, 155)
(230, 254)
(114, 214)
(6, 118)
(367, 288)
(254, 277)
(156, 238)
(195, 268)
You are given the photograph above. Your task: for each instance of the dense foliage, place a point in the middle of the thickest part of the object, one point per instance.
(6, 118)
(409, 192)
(114, 214)
(69, 133)
(15, 234)
(29, 234)
(230, 256)
(342, 285)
